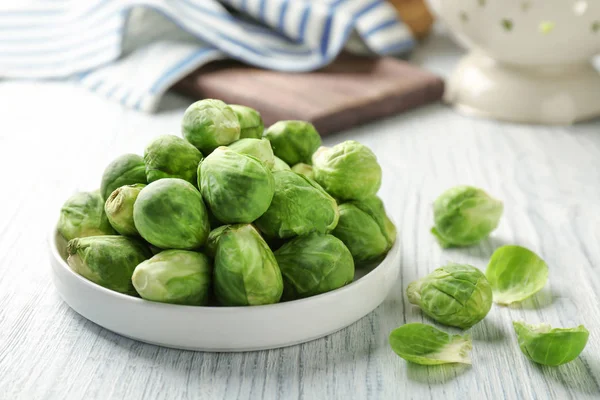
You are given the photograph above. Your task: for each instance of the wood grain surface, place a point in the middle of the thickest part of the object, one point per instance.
(55, 137)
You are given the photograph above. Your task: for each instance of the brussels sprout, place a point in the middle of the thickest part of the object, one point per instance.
(366, 230)
(259, 148)
(119, 208)
(314, 264)
(246, 272)
(455, 295)
(515, 273)
(108, 261)
(208, 124)
(348, 171)
(251, 123)
(213, 240)
(547, 346)
(174, 276)
(83, 215)
(464, 215)
(280, 165)
(128, 169)
(170, 214)
(426, 345)
(294, 141)
(304, 169)
(238, 188)
(299, 206)
(169, 156)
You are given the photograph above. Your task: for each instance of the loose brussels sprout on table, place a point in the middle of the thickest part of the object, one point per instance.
(238, 188)
(245, 271)
(314, 264)
(366, 230)
(174, 276)
(169, 156)
(108, 261)
(347, 171)
(464, 215)
(294, 141)
(551, 346)
(251, 123)
(299, 206)
(170, 214)
(455, 295)
(426, 345)
(515, 273)
(83, 215)
(259, 148)
(127, 169)
(119, 208)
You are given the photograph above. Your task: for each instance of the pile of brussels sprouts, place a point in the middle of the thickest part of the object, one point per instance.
(230, 214)
(461, 295)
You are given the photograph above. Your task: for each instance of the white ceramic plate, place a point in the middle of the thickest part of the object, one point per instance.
(223, 328)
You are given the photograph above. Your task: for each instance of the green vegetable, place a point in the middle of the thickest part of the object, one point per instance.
(251, 123)
(213, 240)
(426, 345)
(314, 264)
(304, 169)
(465, 215)
(170, 156)
(128, 169)
(108, 261)
(119, 208)
(174, 276)
(545, 345)
(347, 171)
(515, 273)
(208, 124)
(299, 206)
(83, 215)
(259, 148)
(238, 188)
(246, 272)
(294, 141)
(280, 165)
(455, 295)
(366, 230)
(169, 213)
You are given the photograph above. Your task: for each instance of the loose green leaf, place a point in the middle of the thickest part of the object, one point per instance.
(515, 273)
(550, 346)
(426, 345)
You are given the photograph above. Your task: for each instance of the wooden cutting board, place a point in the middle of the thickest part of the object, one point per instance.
(350, 91)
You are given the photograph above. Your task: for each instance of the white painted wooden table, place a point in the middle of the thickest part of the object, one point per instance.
(54, 137)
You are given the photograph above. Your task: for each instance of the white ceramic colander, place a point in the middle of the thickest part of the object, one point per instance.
(529, 60)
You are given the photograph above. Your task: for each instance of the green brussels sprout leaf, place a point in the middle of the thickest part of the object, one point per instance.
(455, 295)
(127, 169)
(174, 276)
(314, 264)
(280, 165)
(464, 215)
(515, 273)
(83, 215)
(550, 346)
(426, 345)
(209, 123)
(108, 261)
(294, 141)
(251, 123)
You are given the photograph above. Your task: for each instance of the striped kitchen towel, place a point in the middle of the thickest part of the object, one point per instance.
(132, 51)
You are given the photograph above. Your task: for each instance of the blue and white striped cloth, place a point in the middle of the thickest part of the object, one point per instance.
(132, 51)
